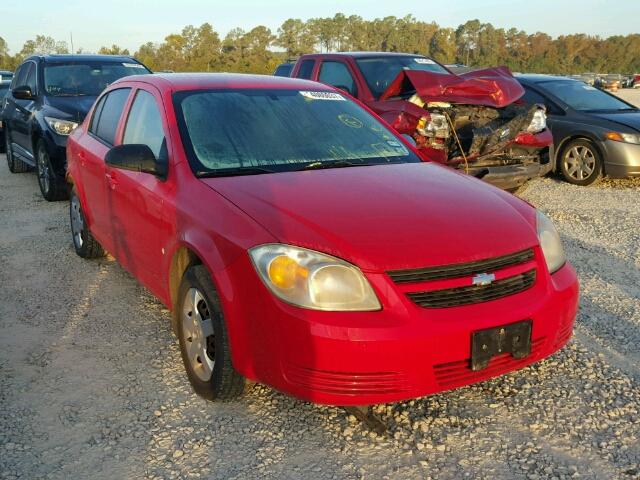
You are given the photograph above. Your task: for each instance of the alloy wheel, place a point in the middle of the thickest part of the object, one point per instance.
(77, 223)
(43, 170)
(580, 162)
(197, 330)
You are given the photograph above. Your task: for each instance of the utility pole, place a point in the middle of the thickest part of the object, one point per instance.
(72, 50)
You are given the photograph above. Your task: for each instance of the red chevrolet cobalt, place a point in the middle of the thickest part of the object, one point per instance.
(301, 243)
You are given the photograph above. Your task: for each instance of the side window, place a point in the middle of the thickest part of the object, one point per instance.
(306, 69)
(104, 125)
(531, 96)
(30, 80)
(20, 76)
(338, 75)
(96, 115)
(144, 125)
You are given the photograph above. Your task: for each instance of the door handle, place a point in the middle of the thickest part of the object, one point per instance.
(111, 180)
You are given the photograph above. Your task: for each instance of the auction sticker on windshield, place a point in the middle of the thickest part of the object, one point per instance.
(426, 61)
(322, 95)
(132, 65)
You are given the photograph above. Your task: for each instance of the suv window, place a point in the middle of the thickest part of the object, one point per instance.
(30, 80)
(105, 119)
(20, 76)
(306, 69)
(144, 125)
(338, 75)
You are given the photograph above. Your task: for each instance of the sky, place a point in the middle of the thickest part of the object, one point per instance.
(130, 23)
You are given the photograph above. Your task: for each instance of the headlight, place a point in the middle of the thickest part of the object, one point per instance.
(538, 122)
(623, 137)
(550, 243)
(312, 279)
(61, 127)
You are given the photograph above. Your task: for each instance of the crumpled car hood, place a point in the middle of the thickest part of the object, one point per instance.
(493, 87)
(385, 217)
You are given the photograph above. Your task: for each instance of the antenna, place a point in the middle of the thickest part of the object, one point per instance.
(72, 50)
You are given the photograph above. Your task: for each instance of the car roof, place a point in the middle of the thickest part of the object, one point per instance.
(204, 81)
(83, 58)
(365, 54)
(539, 78)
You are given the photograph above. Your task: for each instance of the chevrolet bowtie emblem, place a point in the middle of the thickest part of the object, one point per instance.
(483, 279)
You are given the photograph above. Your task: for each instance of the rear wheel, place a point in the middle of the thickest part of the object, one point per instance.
(15, 164)
(204, 342)
(52, 186)
(83, 242)
(581, 163)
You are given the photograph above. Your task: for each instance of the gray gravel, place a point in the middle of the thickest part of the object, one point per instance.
(92, 386)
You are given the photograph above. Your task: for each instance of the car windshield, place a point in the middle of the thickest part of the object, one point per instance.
(70, 79)
(379, 72)
(583, 97)
(247, 131)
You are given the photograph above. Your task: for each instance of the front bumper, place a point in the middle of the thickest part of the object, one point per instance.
(401, 352)
(621, 159)
(508, 177)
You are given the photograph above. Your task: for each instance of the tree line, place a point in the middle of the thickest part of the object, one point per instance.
(473, 43)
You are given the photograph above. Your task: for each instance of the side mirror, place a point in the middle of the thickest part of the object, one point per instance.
(137, 158)
(23, 92)
(344, 89)
(409, 139)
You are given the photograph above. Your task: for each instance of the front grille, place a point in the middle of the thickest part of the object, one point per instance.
(461, 269)
(453, 297)
(347, 383)
(449, 375)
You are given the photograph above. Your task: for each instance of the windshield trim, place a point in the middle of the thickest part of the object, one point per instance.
(196, 166)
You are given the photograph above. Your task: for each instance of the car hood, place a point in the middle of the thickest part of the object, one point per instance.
(71, 108)
(628, 119)
(493, 87)
(385, 217)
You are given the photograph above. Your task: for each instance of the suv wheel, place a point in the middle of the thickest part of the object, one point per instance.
(83, 242)
(204, 342)
(581, 163)
(51, 185)
(15, 164)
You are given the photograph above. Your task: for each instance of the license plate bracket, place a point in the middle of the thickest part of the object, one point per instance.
(514, 338)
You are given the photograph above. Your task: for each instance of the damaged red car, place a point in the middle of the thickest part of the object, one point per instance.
(472, 121)
(302, 243)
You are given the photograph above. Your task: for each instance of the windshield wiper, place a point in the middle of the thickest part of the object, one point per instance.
(333, 164)
(229, 172)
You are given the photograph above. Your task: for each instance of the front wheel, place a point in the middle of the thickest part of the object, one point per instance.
(204, 342)
(51, 185)
(581, 163)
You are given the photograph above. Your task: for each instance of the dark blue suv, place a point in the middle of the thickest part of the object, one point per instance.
(50, 95)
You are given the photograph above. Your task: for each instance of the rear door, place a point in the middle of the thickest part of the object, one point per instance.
(94, 145)
(138, 201)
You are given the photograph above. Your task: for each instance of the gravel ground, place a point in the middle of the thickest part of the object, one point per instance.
(92, 386)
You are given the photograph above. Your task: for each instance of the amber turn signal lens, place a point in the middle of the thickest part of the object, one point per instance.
(615, 136)
(284, 272)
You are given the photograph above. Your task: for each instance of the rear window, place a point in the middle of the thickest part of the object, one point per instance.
(379, 72)
(281, 130)
(108, 112)
(71, 79)
(306, 69)
(283, 70)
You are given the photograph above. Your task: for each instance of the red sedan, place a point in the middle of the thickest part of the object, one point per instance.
(300, 242)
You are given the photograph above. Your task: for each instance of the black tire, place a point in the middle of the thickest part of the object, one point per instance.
(52, 186)
(201, 327)
(83, 242)
(581, 162)
(15, 164)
